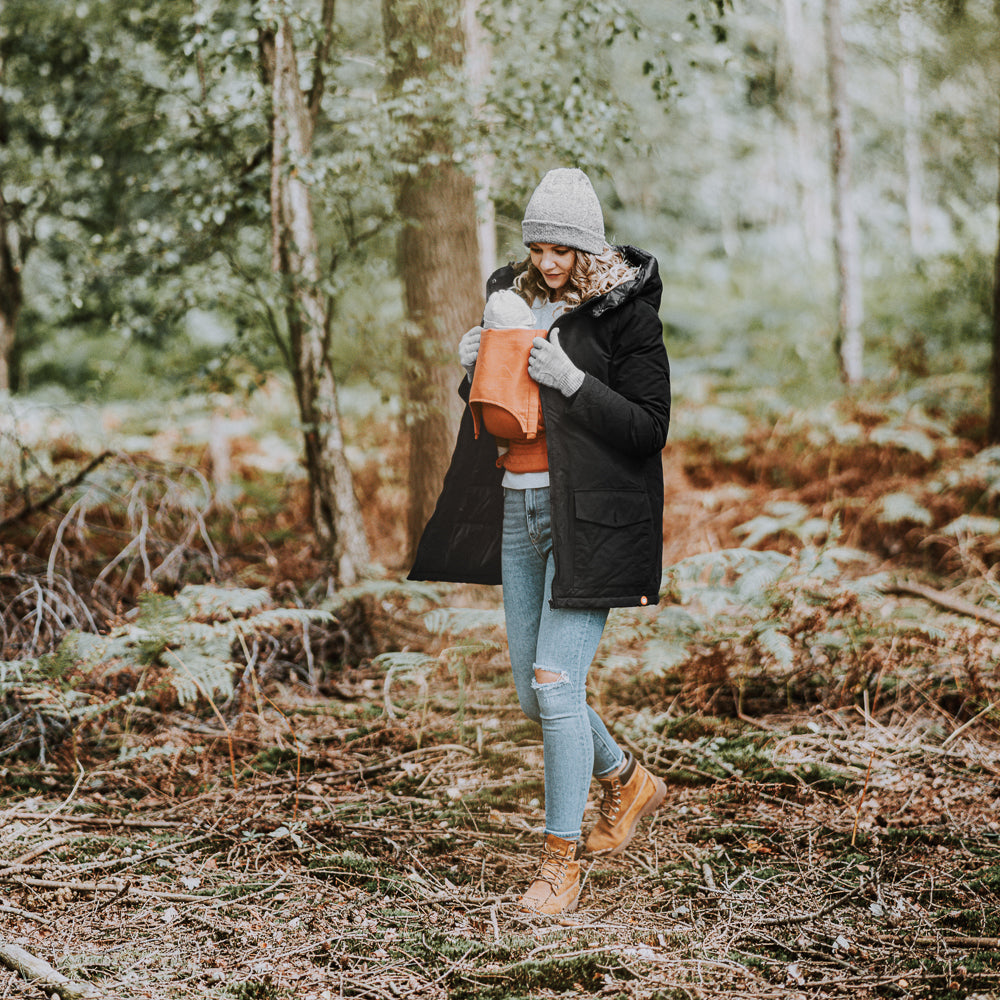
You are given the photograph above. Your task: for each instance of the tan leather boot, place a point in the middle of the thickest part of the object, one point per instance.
(556, 886)
(622, 806)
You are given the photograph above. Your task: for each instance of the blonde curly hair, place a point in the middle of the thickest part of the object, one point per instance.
(592, 274)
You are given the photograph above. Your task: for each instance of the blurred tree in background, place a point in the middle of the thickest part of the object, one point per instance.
(82, 108)
(439, 256)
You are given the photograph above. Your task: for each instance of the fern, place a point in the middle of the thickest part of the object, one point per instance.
(660, 656)
(443, 621)
(677, 621)
(905, 439)
(205, 603)
(380, 590)
(780, 517)
(970, 524)
(717, 565)
(982, 471)
(870, 589)
(775, 642)
(203, 668)
(747, 592)
(757, 581)
(827, 563)
(900, 507)
(395, 662)
(275, 618)
(12, 672)
(715, 577)
(192, 636)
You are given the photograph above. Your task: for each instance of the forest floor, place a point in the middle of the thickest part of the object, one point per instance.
(357, 814)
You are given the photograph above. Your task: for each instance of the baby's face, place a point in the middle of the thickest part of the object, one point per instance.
(506, 310)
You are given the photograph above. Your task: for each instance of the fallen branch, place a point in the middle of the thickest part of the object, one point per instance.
(958, 941)
(41, 849)
(801, 918)
(27, 914)
(111, 822)
(36, 970)
(44, 883)
(59, 489)
(949, 602)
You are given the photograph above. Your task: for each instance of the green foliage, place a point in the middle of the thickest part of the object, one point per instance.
(192, 637)
(782, 517)
(136, 178)
(900, 507)
(750, 605)
(497, 971)
(261, 989)
(977, 477)
(352, 868)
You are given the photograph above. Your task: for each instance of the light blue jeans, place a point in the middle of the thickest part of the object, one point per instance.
(576, 743)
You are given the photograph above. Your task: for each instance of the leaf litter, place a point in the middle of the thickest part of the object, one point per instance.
(352, 807)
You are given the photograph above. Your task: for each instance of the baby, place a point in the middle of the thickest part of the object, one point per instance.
(503, 397)
(506, 310)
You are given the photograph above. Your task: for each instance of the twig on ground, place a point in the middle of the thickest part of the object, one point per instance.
(44, 883)
(38, 971)
(950, 602)
(27, 914)
(41, 849)
(53, 495)
(110, 822)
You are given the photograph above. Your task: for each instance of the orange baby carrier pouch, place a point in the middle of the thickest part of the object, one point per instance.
(504, 397)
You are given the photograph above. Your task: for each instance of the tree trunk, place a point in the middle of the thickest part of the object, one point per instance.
(336, 514)
(993, 427)
(10, 301)
(478, 58)
(813, 208)
(909, 75)
(439, 255)
(846, 237)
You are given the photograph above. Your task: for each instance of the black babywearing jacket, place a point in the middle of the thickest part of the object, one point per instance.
(604, 450)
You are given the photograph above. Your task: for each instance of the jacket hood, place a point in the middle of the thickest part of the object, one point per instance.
(646, 285)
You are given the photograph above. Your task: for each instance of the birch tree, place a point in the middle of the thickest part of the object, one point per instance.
(993, 425)
(909, 80)
(846, 236)
(478, 60)
(336, 515)
(813, 207)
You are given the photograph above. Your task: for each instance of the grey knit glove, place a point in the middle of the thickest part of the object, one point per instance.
(468, 349)
(549, 364)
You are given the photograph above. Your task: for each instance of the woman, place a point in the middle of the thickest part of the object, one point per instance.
(574, 527)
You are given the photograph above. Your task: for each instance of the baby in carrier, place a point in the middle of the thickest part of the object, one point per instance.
(504, 398)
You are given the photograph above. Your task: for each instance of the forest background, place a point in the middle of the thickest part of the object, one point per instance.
(239, 755)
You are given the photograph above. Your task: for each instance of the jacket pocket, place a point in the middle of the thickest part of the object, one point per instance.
(613, 541)
(614, 508)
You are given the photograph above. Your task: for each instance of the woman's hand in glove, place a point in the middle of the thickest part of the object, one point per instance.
(468, 349)
(549, 364)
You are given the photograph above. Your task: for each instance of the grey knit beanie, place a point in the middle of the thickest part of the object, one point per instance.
(564, 210)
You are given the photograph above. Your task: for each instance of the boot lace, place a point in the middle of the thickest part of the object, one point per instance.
(612, 800)
(552, 868)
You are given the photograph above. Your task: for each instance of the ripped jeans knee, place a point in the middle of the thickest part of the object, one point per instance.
(557, 677)
(558, 698)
